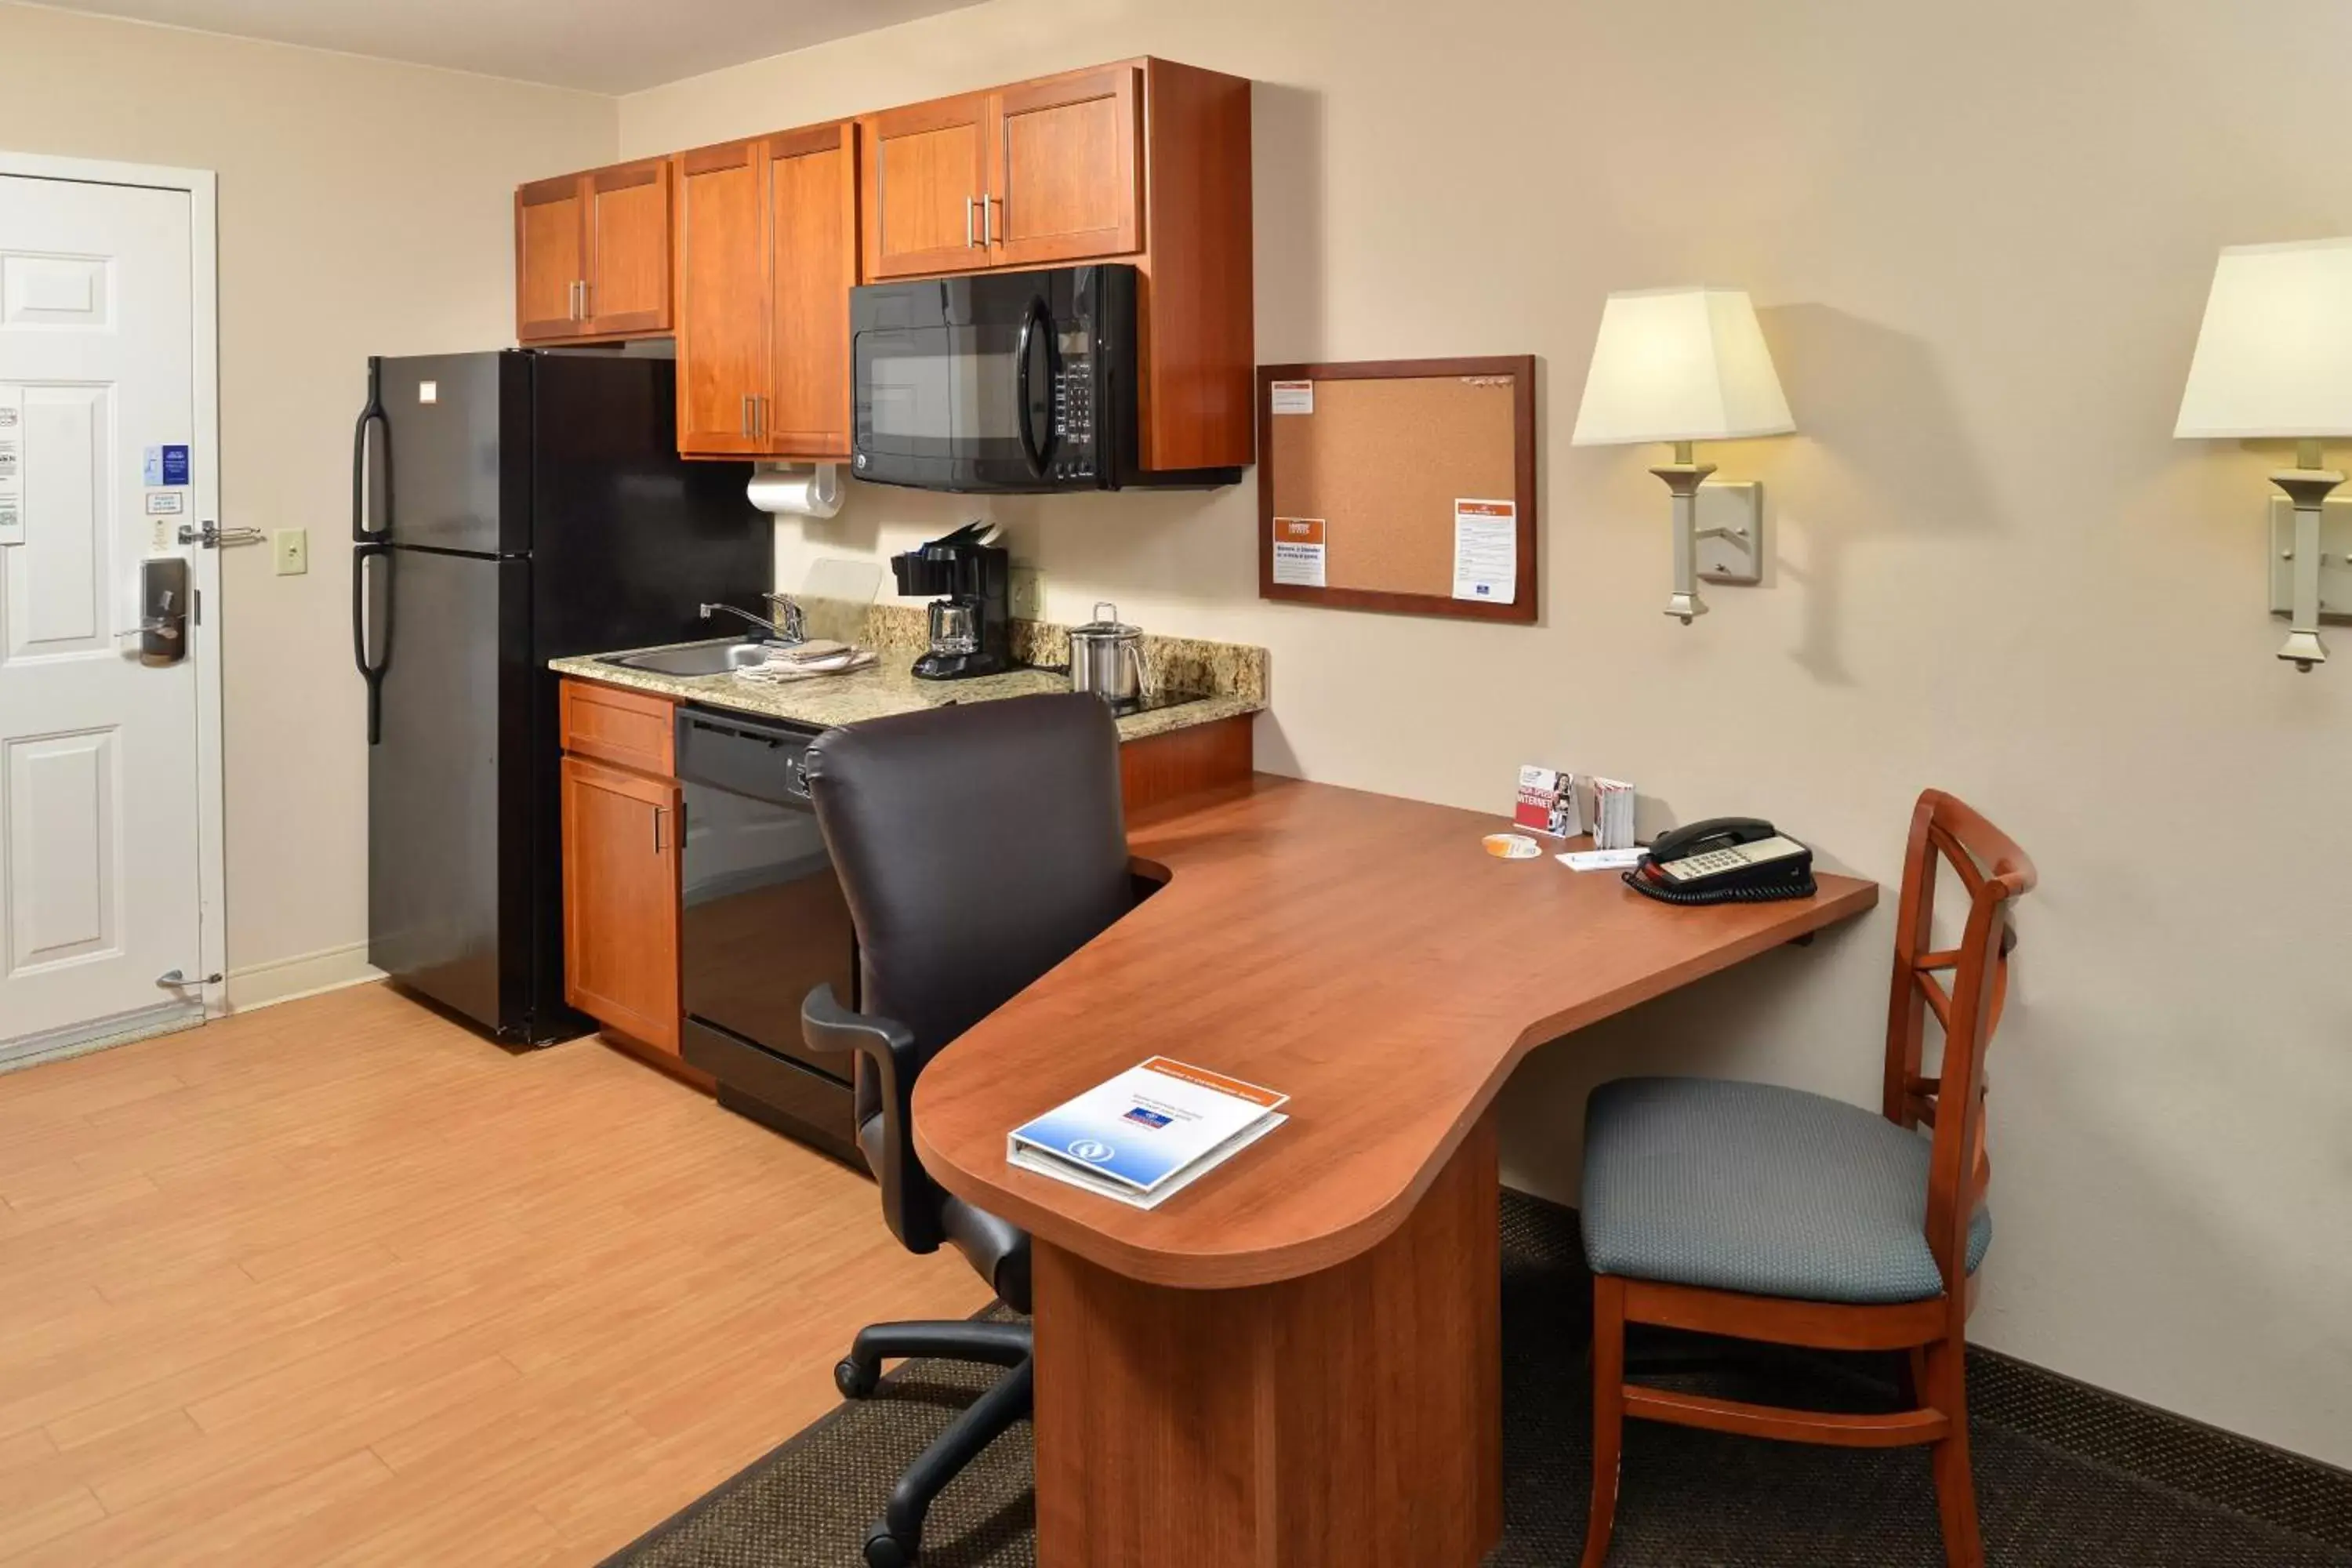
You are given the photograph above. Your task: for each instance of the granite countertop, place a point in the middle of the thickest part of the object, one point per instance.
(889, 687)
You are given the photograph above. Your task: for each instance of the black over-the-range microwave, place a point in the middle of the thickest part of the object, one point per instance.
(1003, 382)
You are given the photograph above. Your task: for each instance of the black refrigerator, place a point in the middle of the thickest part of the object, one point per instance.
(508, 507)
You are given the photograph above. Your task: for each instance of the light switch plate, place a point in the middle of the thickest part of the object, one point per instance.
(2335, 558)
(289, 548)
(1731, 532)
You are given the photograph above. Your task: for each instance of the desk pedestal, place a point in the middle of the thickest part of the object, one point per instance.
(1349, 1417)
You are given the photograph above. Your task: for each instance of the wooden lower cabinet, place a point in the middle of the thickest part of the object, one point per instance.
(624, 820)
(621, 899)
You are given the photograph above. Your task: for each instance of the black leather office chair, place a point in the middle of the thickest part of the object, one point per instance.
(978, 845)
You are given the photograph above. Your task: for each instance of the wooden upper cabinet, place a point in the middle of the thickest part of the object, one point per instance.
(767, 253)
(925, 180)
(621, 834)
(722, 323)
(551, 258)
(629, 213)
(1064, 181)
(1048, 171)
(592, 254)
(812, 187)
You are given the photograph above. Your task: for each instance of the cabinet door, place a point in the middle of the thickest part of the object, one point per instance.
(551, 258)
(1065, 178)
(722, 279)
(811, 178)
(621, 899)
(629, 249)
(926, 174)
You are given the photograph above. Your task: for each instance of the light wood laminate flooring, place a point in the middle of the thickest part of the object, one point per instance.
(340, 1282)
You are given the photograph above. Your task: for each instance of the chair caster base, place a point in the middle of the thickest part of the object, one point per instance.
(856, 1379)
(884, 1550)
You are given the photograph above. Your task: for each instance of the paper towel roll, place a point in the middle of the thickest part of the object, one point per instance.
(799, 492)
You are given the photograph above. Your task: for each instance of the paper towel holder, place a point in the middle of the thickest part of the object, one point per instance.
(788, 490)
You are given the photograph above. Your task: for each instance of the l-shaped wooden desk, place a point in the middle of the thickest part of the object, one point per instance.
(1294, 1363)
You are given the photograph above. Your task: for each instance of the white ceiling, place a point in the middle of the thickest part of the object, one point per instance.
(604, 45)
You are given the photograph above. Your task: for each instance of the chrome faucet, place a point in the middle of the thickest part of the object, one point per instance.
(795, 627)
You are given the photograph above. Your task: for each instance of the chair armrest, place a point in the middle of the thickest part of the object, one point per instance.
(888, 1049)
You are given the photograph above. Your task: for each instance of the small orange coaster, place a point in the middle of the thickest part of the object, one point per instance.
(1511, 846)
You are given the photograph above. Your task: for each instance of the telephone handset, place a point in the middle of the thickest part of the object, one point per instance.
(1727, 860)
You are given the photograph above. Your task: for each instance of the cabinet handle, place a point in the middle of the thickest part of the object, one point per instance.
(760, 414)
(968, 240)
(659, 812)
(743, 418)
(585, 312)
(991, 230)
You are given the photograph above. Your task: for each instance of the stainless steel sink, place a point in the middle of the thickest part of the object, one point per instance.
(695, 658)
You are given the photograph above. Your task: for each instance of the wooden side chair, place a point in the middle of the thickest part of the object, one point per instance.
(1770, 1214)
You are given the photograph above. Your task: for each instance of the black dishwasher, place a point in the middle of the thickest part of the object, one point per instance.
(764, 923)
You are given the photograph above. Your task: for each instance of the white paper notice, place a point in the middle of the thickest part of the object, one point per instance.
(1601, 860)
(12, 465)
(1486, 551)
(1293, 396)
(1298, 552)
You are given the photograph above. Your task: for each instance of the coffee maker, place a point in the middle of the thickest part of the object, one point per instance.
(971, 627)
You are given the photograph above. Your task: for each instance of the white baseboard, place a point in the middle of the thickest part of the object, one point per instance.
(304, 975)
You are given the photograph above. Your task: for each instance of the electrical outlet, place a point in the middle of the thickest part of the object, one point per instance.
(290, 549)
(1025, 594)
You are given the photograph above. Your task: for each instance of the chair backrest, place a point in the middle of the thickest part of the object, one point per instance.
(978, 846)
(1993, 870)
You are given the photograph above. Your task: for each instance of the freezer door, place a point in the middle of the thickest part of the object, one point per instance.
(450, 829)
(455, 440)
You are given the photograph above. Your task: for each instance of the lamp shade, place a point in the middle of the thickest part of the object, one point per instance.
(1680, 364)
(2274, 355)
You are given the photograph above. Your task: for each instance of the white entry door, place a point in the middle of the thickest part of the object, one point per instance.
(99, 800)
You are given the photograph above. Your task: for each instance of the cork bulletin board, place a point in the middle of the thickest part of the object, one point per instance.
(1400, 485)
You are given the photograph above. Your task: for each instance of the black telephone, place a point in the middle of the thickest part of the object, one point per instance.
(1725, 861)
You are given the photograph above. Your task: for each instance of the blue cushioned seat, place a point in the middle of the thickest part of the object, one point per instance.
(1751, 1187)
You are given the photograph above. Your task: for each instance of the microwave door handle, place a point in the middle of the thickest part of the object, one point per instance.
(1029, 448)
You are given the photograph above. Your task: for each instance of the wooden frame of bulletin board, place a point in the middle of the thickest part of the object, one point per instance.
(1381, 483)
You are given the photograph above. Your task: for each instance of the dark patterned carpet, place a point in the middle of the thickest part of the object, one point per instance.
(2066, 1477)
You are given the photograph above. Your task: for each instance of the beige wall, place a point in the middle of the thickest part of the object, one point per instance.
(1982, 238)
(363, 209)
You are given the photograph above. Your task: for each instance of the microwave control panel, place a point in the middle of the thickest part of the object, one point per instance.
(1074, 410)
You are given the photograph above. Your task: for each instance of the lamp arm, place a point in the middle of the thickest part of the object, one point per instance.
(1682, 478)
(2307, 487)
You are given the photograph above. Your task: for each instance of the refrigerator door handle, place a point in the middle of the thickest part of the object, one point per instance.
(364, 515)
(366, 638)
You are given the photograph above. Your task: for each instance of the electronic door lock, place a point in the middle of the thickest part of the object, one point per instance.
(163, 610)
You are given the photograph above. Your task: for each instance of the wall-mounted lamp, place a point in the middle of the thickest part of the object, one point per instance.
(1681, 365)
(2275, 359)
